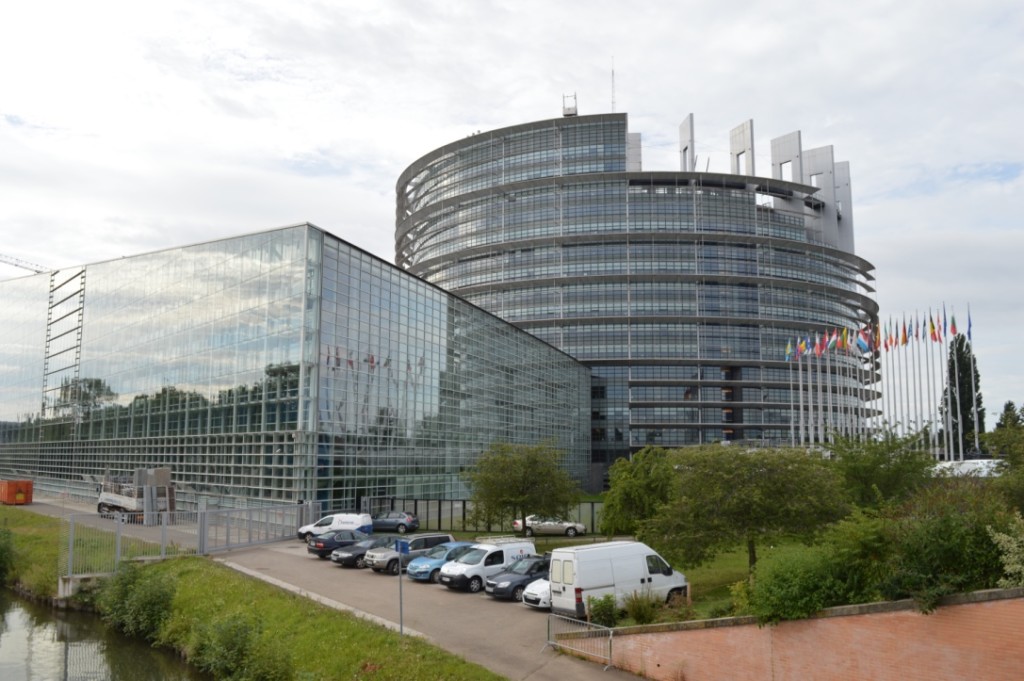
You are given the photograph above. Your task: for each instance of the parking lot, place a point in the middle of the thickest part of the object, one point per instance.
(507, 637)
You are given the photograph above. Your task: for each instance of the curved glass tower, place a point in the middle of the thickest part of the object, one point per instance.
(681, 290)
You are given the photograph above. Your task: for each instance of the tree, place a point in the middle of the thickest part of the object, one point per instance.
(884, 469)
(964, 394)
(513, 481)
(637, 486)
(728, 496)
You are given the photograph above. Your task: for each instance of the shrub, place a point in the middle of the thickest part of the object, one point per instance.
(135, 602)
(795, 586)
(642, 607)
(225, 645)
(1011, 551)
(941, 542)
(603, 610)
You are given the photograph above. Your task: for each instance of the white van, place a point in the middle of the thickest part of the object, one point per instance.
(488, 557)
(337, 521)
(615, 567)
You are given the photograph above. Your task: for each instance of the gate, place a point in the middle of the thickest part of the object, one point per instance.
(582, 639)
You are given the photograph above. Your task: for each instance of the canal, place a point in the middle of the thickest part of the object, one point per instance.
(39, 643)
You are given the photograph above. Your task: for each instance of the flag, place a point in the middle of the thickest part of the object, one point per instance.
(372, 362)
(845, 343)
(885, 338)
(968, 322)
(931, 327)
(917, 327)
(862, 341)
(818, 345)
(833, 340)
(945, 328)
(952, 324)
(903, 334)
(351, 364)
(789, 350)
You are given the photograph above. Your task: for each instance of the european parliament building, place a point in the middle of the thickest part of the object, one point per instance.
(276, 367)
(680, 290)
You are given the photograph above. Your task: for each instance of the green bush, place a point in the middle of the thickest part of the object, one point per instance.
(1011, 551)
(941, 543)
(642, 608)
(603, 610)
(225, 645)
(135, 602)
(795, 586)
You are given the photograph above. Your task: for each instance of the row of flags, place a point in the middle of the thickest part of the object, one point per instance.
(335, 360)
(874, 338)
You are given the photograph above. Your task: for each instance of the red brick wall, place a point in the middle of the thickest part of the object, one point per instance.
(981, 640)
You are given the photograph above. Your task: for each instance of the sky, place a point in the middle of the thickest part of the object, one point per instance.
(128, 127)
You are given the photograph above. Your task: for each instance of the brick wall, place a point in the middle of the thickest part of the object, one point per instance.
(978, 636)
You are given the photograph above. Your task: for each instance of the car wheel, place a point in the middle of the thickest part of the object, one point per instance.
(517, 593)
(304, 536)
(360, 562)
(475, 585)
(529, 532)
(393, 567)
(322, 557)
(401, 529)
(570, 532)
(435, 576)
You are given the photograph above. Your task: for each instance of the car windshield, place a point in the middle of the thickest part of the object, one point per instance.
(458, 551)
(522, 566)
(367, 544)
(472, 557)
(439, 551)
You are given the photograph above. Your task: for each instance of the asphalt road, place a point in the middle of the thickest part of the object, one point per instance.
(506, 637)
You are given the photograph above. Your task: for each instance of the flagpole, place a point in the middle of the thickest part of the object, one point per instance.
(800, 390)
(792, 400)
(974, 388)
(959, 406)
(948, 419)
(831, 414)
(930, 366)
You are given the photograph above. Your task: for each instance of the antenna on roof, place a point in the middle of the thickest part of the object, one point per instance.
(567, 108)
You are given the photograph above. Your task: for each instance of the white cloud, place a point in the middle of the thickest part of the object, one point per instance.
(127, 127)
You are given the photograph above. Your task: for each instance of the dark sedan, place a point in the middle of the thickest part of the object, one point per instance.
(520, 574)
(322, 546)
(355, 554)
(395, 521)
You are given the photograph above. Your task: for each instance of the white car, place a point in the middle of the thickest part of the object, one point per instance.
(538, 594)
(536, 524)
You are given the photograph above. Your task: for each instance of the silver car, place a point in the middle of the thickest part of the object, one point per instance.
(548, 525)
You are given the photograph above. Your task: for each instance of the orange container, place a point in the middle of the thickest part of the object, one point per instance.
(15, 492)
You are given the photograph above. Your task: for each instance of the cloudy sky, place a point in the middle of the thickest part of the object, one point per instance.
(129, 126)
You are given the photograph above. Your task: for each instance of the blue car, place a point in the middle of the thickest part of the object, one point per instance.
(427, 567)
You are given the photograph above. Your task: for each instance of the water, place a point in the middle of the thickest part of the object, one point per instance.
(38, 643)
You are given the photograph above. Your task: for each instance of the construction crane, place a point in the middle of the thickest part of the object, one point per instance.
(38, 269)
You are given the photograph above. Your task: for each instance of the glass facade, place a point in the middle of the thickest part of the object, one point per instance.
(680, 290)
(274, 367)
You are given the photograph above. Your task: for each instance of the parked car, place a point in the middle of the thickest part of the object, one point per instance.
(547, 525)
(490, 557)
(355, 555)
(538, 595)
(395, 521)
(337, 521)
(427, 568)
(512, 583)
(323, 545)
(388, 559)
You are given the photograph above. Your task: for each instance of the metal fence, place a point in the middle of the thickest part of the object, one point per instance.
(577, 637)
(456, 515)
(94, 544)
